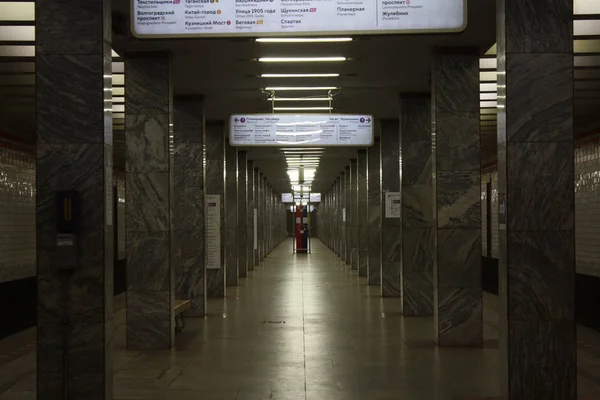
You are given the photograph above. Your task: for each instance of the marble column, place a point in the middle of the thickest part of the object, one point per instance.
(188, 204)
(256, 228)
(74, 153)
(353, 214)
(214, 190)
(362, 214)
(341, 206)
(260, 209)
(242, 213)
(265, 217)
(391, 226)
(149, 193)
(536, 196)
(374, 213)
(346, 215)
(250, 215)
(417, 205)
(231, 215)
(456, 184)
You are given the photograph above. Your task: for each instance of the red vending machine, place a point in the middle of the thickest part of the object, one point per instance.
(302, 242)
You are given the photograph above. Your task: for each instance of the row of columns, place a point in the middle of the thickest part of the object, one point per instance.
(422, 243)
(175, 162)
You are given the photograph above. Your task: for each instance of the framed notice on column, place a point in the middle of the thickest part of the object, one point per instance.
(213, 231)
(255, 229)
(393, 204)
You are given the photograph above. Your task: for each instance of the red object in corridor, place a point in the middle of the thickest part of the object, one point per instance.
(299, 228)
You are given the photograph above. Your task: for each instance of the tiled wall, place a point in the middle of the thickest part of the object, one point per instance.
(17, 214)
(587, 206)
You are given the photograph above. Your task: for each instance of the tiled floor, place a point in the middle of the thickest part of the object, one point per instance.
(303, 327)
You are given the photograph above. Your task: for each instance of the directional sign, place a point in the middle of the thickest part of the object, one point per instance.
(185, 18)
(302, 130)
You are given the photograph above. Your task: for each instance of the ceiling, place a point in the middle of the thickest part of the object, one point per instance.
(225, 72)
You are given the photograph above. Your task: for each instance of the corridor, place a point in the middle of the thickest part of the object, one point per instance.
(304, 327)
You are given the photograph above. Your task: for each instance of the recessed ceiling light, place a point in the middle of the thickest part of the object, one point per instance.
(304, 40)
(302, 108)
(299, 75)
(301, 59)
(299, 88)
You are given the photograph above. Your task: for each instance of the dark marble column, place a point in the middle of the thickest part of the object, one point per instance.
(149, 192)
(261, 211)
(214, 188)
(353, 213)
(188, 205)
(341, 206)
(456, 184)
(417, 205)
(265, 217)
(536, 199)
(346, 214)
(256, 228)
(362, 213)
(242, 213)
(231, 215)
(250, 215)
(374, 213)
(74, 152)
(391, 227)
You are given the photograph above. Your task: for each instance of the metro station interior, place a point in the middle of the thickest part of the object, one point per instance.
(146, 253)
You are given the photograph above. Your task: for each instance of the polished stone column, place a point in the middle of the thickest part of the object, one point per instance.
(250, 216)
(74, 152)
(456, 184)
(265, 217)
(374, 213)
(536, 200)
(188, 204)
(353, 214)
(149, 192)
(231, 215)
(214, 185)
(342, 225)
(362, 213)
(242, 213)
(346, 214)
(391, 227)
(256, 228)
(417, 205)
(261, 213)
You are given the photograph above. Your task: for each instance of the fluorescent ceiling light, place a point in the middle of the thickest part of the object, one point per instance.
(300, 88)
(301, 109)
(299, 99)
(328, 75)
(304, 40)
(302, 148)
(301, 59)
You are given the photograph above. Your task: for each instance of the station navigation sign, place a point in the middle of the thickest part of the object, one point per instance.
(226, 18)
(302, 130)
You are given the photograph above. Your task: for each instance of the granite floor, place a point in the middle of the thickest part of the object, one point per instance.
(301, 327)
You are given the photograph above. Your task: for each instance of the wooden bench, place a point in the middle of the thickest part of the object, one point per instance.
(180, 307)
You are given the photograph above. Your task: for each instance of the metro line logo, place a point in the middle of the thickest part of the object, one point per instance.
(176, 1)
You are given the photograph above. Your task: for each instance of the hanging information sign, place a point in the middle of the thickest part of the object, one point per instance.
(302, 130)
(226, 18)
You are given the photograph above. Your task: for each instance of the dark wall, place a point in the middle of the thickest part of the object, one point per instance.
(587, 292)
(18, 300)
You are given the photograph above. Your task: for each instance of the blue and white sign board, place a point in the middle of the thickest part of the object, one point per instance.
(226, 18)
(301, 130)
(287, 198)
(315, 197)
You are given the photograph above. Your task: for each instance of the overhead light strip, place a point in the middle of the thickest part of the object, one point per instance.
(325, 75)
(300, 59)
(299, 88)
(304, 40)
(299, 99)
(302, 108)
